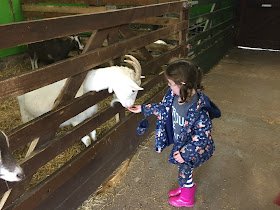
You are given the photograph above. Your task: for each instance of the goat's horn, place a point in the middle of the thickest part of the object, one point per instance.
(136, 65)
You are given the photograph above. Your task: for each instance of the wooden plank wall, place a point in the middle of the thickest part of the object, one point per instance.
(48, 11)
(95, 163)
(31, 9)
(102, 2)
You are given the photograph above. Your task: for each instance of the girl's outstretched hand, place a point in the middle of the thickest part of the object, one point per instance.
(177, 156)
(135, 108)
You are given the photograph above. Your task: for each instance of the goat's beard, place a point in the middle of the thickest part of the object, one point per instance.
(115, 100)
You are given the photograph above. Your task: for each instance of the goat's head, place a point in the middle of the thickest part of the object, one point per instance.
(77, 42)
(9, 168)
(127, 84)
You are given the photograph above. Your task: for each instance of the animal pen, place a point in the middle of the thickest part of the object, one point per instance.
(131, 27)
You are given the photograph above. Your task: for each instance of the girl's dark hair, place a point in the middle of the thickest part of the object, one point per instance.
(186, 75)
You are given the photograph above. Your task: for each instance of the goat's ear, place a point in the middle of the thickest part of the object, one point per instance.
(110, 89)
(133, 85)
(136, 87)
(5, 136)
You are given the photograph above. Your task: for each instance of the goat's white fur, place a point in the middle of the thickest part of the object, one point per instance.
(9, 168)
(76, 38)
(160, 42)
(122, 80)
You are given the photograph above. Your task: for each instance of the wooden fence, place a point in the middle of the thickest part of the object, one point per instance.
(76, 179)
(210, 35)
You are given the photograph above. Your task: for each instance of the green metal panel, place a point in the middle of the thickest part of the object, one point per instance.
(208, 58)
(205, 8)
(10, 11)
(210, 44)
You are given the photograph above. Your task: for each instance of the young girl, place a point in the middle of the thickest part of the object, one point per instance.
(183, 118)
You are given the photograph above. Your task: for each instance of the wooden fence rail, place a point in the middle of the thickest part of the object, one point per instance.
(81, 63)
(39, 30)
(102, 2)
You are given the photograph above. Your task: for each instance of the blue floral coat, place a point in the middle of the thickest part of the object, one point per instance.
(195, 142)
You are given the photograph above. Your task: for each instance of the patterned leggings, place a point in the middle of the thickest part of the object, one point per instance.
(185, 176)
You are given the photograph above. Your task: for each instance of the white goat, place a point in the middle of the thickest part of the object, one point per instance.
(122, 80)
(9, 168)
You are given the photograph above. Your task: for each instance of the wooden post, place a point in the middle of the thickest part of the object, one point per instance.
(184, 15)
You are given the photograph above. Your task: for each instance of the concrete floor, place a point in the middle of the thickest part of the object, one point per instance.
(245, 171)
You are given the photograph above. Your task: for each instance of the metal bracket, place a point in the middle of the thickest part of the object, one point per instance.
(187, 4)
(194, 3)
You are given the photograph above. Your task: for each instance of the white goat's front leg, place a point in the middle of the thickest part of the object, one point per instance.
(86, 140)
(80, 118)
(93, 135)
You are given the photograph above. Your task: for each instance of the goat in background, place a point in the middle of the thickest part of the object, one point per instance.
(53, 50)
(9, 168)
(121, 80)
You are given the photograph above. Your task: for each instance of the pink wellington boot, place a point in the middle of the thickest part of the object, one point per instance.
(174, 192)
(186, 198)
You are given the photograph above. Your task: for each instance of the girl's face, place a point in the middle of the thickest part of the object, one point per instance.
(175, 88)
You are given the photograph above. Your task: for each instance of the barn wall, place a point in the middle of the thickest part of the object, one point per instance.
(6, 16)
(10, 14)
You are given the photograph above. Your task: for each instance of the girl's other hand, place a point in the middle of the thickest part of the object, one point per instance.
(177, 156)
(135, 108)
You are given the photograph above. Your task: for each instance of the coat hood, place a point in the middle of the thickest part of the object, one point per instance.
(209, 106)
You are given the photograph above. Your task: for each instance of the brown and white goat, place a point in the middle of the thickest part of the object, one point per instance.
(53, 50)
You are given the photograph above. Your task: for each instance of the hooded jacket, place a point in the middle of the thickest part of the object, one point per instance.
(195, 142)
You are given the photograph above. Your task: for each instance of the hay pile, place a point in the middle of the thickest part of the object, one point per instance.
(9, 111)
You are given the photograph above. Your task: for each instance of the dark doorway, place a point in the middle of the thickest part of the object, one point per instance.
(259, 24)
